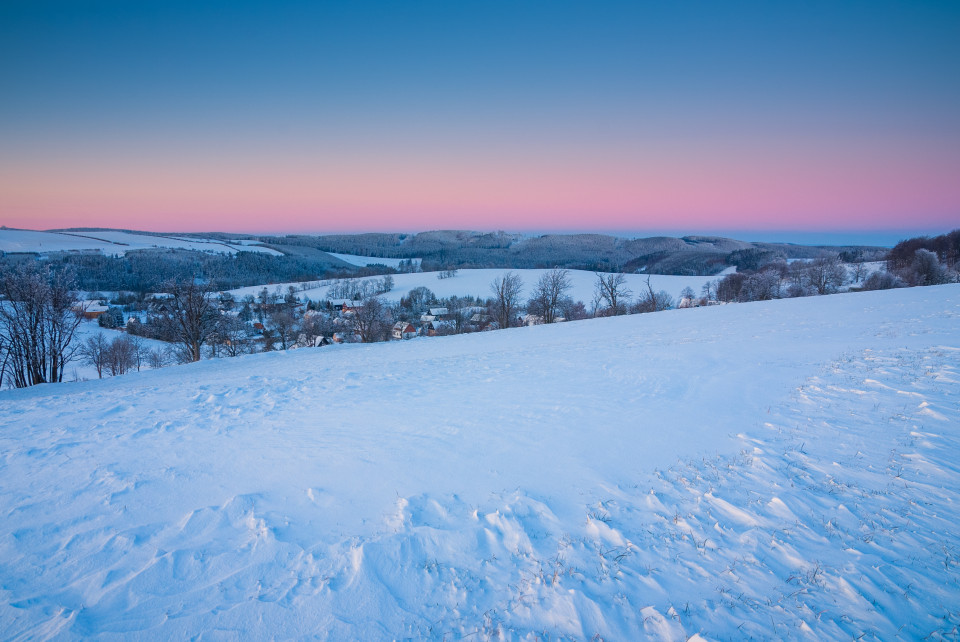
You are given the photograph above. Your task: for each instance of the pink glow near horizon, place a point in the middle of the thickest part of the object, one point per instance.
(427, 194)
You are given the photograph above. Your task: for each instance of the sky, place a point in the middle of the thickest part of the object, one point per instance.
(632, 117)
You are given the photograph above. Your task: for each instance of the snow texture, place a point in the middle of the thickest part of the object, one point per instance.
(786, 469)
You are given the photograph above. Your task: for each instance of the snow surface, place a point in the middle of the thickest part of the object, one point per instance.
(786, 469)
(363, 261)
(112, 242)
(477, 283)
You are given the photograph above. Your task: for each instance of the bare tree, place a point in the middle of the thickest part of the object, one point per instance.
(4, 358)
(158, 358)
(233, 336)
(194, 315)
(611, 289)
(506, 298)
(93, 351)
(285, 326)
(709, 291)
(550, 294)
(120, 357)
(650, 301)
(314, 326)
(139, 350)
(38, 320)
(859, 271)
(372, 321)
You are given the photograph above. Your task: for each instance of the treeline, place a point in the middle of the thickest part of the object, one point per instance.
(690, 255)
(145, 271)
(762, 275)
(908, 260)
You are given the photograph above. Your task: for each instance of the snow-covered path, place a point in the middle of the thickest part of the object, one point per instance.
(776, 469)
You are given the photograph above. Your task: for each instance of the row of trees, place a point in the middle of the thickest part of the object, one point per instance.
(550, 300)
(40, 313)
(363, 289)
(828, 274)
(120, 355)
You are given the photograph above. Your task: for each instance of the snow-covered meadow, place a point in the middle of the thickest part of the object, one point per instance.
(362, 261)
(477, 283)
(788, 469)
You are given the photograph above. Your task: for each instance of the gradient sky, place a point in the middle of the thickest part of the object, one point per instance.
(522, 115)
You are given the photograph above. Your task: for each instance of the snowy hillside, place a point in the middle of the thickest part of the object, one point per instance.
(362, 261)
(477, 283)
(788, 469)
(113, 242)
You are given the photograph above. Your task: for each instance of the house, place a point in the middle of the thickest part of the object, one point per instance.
(439, 312)
(482, 322)
(531, 319)
(90, 310)
(403, 330)
(439, 328)
(349, 307)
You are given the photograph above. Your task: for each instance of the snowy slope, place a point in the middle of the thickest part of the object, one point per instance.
(354, 259)
(477, 283)
(786, 469)
(112, 242)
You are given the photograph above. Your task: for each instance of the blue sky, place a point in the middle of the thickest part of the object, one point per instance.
(621, 115)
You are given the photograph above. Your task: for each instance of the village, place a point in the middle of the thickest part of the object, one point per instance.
(278, 320)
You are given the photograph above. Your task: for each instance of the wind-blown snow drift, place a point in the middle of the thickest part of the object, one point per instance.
(781, 469)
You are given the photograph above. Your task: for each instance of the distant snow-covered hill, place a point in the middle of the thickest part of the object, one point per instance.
(787, 469)
(115, 242)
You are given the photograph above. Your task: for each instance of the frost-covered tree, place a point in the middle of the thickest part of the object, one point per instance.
(39, 315)
(194, 316)
(505, 305)
(926, 269)
(761, 286)
(825, 274)
(550, 295)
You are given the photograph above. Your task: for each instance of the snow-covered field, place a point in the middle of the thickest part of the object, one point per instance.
(113, 242)
(477, 283)
(788, 469)
(354, 259)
